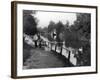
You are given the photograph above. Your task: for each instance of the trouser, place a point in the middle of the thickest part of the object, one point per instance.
(35, 43)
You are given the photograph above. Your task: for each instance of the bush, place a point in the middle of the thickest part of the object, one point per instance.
(26, 51)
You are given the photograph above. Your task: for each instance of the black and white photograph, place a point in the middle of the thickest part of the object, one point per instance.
(56, 39)
(53, 39)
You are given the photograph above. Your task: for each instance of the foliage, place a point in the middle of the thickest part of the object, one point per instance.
(26, 50)
(72, 39)
(79, 32)
(59, 27)
(59, 30)
(51, 26)
(83, 25)
(29, 23)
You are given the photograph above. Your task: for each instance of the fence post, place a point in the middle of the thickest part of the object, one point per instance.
(48, 44)
(51, 46)
(61, 50)
(69, 56)
(55, 47)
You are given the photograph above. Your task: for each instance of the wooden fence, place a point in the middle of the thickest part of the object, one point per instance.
(67, 52)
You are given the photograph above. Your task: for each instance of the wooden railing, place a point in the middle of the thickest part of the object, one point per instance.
(67, 52)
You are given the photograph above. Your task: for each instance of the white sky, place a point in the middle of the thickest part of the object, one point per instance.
(45, 17)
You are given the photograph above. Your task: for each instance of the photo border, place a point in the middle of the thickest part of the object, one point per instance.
(14, 37)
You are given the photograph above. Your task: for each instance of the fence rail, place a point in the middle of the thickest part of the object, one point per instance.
(67, 52)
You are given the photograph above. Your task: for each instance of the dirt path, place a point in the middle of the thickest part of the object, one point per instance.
(45, 59)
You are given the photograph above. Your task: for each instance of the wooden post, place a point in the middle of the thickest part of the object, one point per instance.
(40, 44)
(69, 56)
(55, 47)
(51, 46)
(48, 44)
(61, 50)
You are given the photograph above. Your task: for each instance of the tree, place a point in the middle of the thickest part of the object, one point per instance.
(67, 26)
(29, 23)
(80, 31)
(82, 26)
(72, 39)
(51, 26)
(60, 32)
